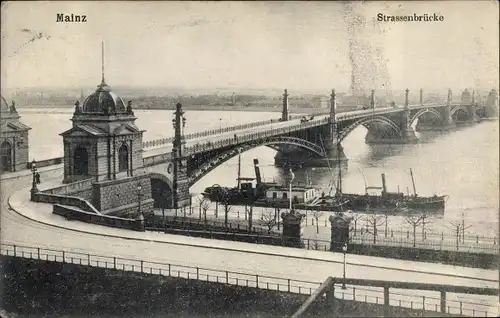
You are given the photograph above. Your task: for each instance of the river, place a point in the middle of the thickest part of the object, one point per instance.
(462, 163)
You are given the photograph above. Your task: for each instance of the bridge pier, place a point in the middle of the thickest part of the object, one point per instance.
(295, 157)
(180, 182)
(491, 107)
(406, 134)
(468, 102)
(444, 123)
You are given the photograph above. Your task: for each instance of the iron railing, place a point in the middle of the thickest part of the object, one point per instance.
(358, 293)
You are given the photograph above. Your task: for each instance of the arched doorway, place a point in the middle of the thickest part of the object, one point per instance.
(81, 161)
(161, 194)
(123, 158)
(6, 153)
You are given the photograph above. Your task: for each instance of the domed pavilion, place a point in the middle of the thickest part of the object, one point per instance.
(105, 146)
(14, 146)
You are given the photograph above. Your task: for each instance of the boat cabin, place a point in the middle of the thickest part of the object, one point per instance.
(299, 194)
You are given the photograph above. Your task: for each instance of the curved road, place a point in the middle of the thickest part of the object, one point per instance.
(295, 264)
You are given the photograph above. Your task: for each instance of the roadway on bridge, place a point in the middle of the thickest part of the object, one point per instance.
(228, 135)
(276, 125)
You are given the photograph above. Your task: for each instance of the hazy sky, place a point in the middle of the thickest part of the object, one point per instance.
(297, 45)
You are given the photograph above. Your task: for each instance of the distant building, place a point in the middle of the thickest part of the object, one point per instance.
(14, 144)
(299, 194)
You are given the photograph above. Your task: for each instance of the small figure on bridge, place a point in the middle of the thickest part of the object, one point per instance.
(37, 178)
(235, 137)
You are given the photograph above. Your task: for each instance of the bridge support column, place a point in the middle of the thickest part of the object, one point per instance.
(285, 113)
(180, 182)
(292, 228)
(326, 137)
(334, 151)
(407, 136)
(491, 106)
(447, 123)
(467, 100)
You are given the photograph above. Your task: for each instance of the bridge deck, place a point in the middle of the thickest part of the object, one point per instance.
(295, 123)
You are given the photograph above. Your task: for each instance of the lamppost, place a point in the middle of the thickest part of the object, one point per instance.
(344, 249)
(220, 125)
(34, 188)
(165, 198)
(179, 122)
(140, 216)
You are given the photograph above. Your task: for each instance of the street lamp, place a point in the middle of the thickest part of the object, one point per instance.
(165, 198)
(344, 249)
(34, 188)
(33, 170)
(139, 196)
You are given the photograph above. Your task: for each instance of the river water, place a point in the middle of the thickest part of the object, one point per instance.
(463, 163)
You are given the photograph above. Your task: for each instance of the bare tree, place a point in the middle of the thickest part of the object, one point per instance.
(374, 220)
(386, 222)
(414, 221)
(316, 215)
(227, 208)
(205, 205)
(425, 220)
(250, 218)
(269, 219)
(201, 201)
(356, 217)
(459, 227)
(277, 214)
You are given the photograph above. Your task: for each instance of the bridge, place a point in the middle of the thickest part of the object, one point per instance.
(299, 140)
(105, 163)
(97, 150)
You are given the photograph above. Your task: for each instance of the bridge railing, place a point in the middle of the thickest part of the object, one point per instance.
(157, 159)
(275, 131)
(211, 132)
(355, 290)
(271, 132)
(251, 137)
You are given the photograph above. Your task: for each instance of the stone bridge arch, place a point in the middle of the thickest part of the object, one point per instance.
(457, 109)
(222, 157)
(366, 123)
(425, 111)
(161, 190)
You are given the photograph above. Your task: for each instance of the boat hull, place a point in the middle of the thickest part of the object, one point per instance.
(359, 202)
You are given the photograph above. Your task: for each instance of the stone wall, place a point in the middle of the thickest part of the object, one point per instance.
(22, 152)
(73, 290)
(65, 200)
(111, 221)
(477, 260)
(119, 197)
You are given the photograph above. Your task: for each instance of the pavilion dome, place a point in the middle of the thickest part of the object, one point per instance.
(103, 100)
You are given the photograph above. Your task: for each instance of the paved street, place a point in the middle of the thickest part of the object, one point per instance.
(38, 226)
